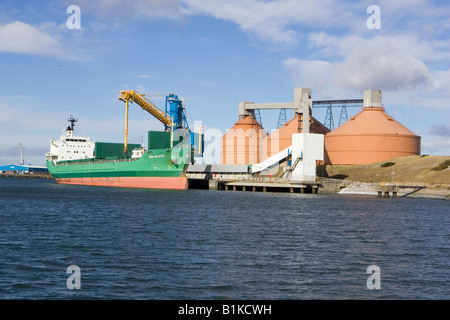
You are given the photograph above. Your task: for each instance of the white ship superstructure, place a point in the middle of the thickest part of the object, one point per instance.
(70, 147)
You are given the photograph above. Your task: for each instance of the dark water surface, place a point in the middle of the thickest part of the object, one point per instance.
(199, 244)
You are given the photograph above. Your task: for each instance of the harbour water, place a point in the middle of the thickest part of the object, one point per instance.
(200, 244)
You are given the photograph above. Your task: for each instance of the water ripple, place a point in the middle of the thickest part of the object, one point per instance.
(156, 244)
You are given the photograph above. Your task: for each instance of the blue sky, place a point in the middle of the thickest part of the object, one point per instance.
(214, 54)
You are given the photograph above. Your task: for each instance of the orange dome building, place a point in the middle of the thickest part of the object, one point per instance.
(247, 142)
(241, 144)
(282, 138)
(370, 136)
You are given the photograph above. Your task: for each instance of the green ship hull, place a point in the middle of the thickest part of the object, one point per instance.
(155, 169)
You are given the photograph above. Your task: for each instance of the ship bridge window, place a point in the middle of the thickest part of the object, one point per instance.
(76, 140)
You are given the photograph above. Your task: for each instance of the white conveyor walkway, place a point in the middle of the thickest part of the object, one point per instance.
(273, 160)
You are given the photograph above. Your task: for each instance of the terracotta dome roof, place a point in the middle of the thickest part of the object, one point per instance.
(370, 136)
(247, 122)
(372, 120)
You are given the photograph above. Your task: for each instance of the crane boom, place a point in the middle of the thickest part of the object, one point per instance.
(134, 96)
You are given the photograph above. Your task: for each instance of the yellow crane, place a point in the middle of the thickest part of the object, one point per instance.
(141, 100)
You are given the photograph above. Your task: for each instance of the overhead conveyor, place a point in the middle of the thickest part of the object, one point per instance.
(273, 160)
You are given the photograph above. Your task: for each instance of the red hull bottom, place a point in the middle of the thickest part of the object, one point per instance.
(177, 183)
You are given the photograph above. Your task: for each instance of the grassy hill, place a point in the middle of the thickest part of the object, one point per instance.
(429, 170)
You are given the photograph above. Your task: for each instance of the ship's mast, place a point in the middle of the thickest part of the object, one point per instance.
(72, 121)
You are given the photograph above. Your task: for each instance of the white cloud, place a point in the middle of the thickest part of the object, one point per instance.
(23, 38)
(274, 21)
(407, 43)
(385, 69)
(400, 63)
(282, 22)
(20, 37)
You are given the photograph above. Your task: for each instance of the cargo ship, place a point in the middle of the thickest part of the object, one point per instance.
(76, 160)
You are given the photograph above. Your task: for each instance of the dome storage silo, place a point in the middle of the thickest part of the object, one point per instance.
(370, 136)
(241, 144)
(281, 138)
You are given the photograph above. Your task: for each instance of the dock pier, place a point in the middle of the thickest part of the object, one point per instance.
(385, 191)
(310, 187)
(238, 178)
